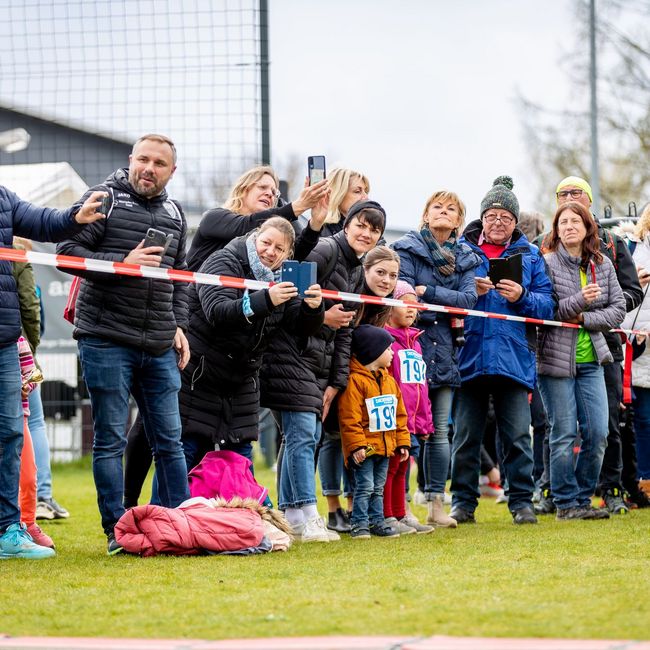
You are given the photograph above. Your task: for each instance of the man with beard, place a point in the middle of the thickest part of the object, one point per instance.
(130, 329)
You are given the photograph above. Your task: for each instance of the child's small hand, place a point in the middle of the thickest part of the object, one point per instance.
(404, 453)
(359, 456)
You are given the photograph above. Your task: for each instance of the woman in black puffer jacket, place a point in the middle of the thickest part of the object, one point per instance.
(229, 330)
(302, 374)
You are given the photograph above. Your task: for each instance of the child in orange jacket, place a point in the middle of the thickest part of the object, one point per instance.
(373, 425)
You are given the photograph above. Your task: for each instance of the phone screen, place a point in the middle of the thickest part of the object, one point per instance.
(316, 169)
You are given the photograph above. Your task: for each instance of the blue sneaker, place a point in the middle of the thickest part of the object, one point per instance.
(17, 542)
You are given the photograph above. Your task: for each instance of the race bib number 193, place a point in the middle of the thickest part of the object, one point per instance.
(381, 412)
(413, 370)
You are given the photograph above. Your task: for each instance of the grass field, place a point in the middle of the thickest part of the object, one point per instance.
(557, 579)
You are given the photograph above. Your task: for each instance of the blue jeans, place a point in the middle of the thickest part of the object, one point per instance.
(301, 431)
(11, 435)
(436, 448)
(513, 422)
(369, 481)
(41, 444)
(642, 431)
(111, 372)
(331, 467)
(582, 398)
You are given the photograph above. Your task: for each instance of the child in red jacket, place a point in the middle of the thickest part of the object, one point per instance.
(372, 418)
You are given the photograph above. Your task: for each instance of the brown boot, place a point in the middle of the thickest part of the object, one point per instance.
(644, 486)
(437, 516)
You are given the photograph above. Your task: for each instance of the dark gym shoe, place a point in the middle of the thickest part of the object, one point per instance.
(360, 533)
(338, 521)
(596, 513)
(462, 516)
(383, 530)
(113, 547)
(545, 505)
(581, 512)
(614, 503)
(524, 516)
(638, 499)
(568, 514)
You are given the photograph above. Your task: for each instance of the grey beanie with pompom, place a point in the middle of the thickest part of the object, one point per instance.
(502, 197)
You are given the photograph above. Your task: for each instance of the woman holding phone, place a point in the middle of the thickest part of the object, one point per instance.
(228, 333)
(253, 199)
(570, 361)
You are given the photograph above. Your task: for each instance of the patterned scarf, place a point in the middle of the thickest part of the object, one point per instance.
(261, 272)
(444, 257)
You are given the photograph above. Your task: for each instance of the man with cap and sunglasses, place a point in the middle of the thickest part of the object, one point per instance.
(498, 358)
(574, 188)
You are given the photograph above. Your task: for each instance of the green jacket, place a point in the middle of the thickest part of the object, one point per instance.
(30, 306)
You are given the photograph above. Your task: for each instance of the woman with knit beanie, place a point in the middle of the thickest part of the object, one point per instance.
(442, 271)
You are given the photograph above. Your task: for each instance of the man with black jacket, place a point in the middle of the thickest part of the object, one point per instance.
(130, 330)
(574, 188)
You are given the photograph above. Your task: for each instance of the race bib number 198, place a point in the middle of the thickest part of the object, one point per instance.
(381, 412)
(413, 370)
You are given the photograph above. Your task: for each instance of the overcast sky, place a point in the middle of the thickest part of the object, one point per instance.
(420, 94)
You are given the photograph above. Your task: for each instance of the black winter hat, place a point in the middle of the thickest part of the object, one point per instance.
(501, 196)
(369, 343)
(357, 207)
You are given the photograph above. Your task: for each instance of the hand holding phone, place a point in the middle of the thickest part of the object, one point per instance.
(316, 169)
(156, 237)
(301, 274)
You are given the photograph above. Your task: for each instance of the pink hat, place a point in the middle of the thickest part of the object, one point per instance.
(402, 288)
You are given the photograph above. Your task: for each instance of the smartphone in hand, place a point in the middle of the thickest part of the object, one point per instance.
(301, 274)
(155, 237)
(316, 169)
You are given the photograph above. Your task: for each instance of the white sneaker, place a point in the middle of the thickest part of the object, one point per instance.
(419, 498)
(447, 499)
(314, 530)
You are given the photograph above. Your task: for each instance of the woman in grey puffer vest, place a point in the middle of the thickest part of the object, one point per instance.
(569, 365)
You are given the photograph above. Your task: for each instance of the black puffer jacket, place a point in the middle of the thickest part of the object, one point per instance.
(138, 312)
(219, 396)
(297, 370)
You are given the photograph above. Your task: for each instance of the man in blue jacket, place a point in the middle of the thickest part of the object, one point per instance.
(498, 359)
(21, 218)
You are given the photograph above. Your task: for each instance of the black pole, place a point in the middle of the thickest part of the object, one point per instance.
(264, 82)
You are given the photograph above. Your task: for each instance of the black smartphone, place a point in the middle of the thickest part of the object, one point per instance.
(105, 207)
(156, 237)
(316, 169)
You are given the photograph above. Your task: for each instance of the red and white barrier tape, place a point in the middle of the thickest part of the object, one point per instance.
(134, 270)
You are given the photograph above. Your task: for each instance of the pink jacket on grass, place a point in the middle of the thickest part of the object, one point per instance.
(415, 396)
(225, 474)
(188, 530)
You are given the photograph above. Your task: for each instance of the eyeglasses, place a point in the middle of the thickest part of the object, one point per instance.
(574, 194)
(492, 218)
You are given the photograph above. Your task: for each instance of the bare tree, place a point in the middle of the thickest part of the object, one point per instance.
(559, 142)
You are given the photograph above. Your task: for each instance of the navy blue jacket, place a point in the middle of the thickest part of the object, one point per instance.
(18, 217)
(455, 290)
(500, 347)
